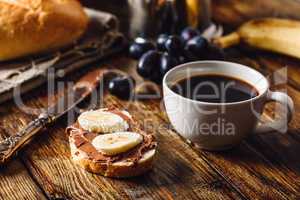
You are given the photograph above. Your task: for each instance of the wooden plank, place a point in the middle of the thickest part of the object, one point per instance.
(16, 183)
(286, 68)
(50, 165)
(267, 175)
(279, 151)
(285, 146)
(60, 178)
(259, 177)
(234, 12)
(178, 168)
(249, 171)
(178, 173)
(256, 186)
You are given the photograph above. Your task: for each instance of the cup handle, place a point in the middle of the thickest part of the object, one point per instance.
(279, 124)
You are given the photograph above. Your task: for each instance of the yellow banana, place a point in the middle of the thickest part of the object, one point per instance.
(273, 34)
(193, 12)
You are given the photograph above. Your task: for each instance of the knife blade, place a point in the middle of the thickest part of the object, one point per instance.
(81, 89)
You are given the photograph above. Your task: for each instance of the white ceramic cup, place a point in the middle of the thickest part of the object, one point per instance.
(219, 126)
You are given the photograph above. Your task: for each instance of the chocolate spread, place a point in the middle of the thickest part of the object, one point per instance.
(83, 141)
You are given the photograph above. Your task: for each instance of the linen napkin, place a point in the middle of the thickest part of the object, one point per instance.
(101, 39)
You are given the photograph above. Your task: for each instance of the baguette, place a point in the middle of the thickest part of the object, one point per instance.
(35, 26)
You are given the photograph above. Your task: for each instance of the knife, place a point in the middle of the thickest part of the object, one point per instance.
(81, 89)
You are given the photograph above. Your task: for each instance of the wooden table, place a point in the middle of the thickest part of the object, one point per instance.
(265, 166)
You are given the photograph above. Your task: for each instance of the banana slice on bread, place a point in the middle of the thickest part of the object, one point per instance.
(101, 121)
(109, 142)
(116, 143)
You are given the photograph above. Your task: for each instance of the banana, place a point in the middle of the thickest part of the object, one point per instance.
(101, 121)
(193, 9)
(273, 34)
(115, 143)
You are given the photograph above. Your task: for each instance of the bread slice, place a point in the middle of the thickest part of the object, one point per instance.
(34, 26)
(121, 167)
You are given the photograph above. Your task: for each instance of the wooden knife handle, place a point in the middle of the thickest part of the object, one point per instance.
(12, 144)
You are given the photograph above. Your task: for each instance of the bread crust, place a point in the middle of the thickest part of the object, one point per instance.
(120, 169)
(36, 26)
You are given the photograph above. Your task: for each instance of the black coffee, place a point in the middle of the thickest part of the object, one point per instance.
(214, 88)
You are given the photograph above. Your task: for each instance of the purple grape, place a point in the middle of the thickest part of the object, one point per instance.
(188, 33)
(139, 47)
(174, 45)
(121, 87)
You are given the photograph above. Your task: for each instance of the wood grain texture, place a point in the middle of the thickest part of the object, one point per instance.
(51, 165)
(232, 13)
(178, 173)
(16, 183)
(276, 161)
(262, 167)
(267, 176)
(15, 176)
(250, 172)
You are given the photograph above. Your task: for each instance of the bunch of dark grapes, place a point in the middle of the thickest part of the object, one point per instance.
(155, 59)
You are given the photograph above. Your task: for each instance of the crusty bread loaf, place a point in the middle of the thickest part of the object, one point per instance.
(34, 26)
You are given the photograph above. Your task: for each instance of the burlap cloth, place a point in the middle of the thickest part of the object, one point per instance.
(101, 39)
